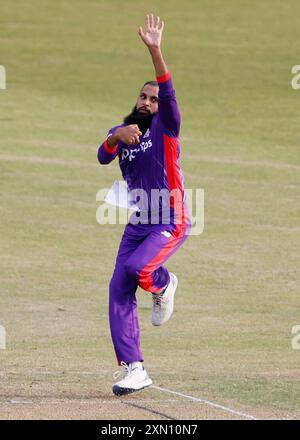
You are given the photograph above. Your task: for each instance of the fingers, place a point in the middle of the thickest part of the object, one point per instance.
(150, 23)
(141, 32)
(136, 129)
(131, 140)
(130, 134)
(134, 133)
(135, 140)
(159, 25)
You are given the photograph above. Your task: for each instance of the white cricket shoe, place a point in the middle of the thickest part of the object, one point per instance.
(135, 379)
(163, 303)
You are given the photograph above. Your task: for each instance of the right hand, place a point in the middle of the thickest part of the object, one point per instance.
(130, 134)
(152, 36)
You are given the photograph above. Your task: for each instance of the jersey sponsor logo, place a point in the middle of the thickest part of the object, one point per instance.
(145, 145)
(131, 153)
(147, 134)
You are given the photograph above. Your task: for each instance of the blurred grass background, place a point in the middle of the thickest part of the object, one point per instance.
(74, 70)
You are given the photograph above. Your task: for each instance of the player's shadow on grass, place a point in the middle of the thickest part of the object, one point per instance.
(153, 411)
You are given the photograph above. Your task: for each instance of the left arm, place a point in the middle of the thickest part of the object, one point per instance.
(167, 108)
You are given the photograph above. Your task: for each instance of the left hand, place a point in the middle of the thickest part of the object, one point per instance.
(152, 36)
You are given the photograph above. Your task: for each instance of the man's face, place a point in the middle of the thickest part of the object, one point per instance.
(145, 109)
(147, 102)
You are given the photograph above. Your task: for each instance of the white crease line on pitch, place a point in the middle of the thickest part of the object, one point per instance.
(93, 400)
(207, 402)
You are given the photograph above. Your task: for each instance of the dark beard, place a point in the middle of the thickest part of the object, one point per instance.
(143, 121)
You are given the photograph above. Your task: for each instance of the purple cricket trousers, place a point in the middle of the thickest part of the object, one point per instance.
(143, 250)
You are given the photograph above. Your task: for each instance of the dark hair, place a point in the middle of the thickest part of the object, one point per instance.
(151, 83)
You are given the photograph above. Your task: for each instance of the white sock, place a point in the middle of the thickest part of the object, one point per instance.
(165, 288)
(134, 365)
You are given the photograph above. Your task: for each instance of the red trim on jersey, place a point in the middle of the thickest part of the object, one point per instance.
(163, 78)
(172, 165)
(110, 150)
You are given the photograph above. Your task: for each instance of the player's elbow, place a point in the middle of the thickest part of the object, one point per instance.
(102, 159)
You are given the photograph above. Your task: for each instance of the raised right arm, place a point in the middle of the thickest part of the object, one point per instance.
(168, 110)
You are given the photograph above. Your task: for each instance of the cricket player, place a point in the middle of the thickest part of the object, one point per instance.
(147, 145)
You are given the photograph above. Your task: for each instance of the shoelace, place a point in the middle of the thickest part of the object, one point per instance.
(123, 372)
(157, 298)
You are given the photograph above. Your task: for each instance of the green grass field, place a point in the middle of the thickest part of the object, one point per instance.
(74, 70)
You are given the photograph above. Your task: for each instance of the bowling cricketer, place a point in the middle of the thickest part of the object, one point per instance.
(147, 146)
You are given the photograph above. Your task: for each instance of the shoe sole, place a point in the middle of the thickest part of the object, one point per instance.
(119, 391)
(176, 284)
